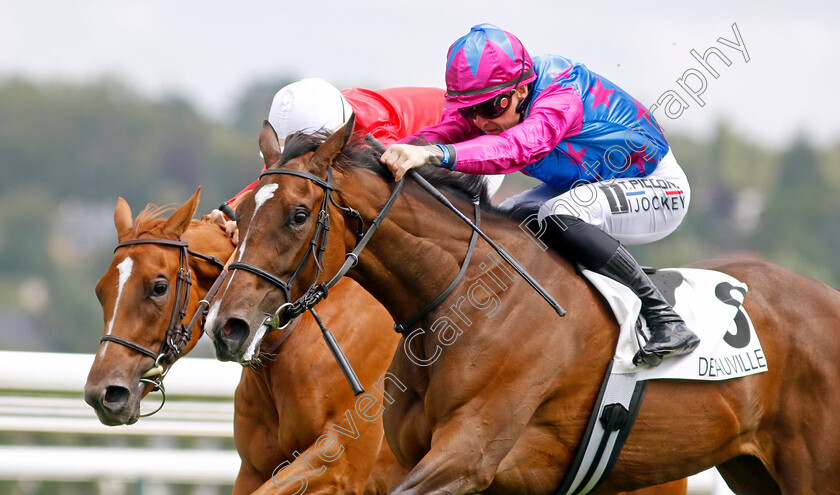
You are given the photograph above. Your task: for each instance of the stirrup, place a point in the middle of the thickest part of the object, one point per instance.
(666, 339)
(651, 359)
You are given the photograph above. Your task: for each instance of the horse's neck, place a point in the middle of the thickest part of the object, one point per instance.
(419, 250)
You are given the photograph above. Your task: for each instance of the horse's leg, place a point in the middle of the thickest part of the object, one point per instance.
(328, 467)
(473, 426)
(464, 455)
(378, 481)
(339, 460)
(255, 433)
(301, 476)
(247, 480)
(488, 390)
(398, 473)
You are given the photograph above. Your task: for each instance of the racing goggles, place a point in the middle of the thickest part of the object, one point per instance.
(489, 109)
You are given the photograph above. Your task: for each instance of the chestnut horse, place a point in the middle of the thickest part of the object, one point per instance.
(290, 411)
(492, 390)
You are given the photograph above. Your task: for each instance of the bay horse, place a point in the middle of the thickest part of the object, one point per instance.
(490, 392)
(283, 408)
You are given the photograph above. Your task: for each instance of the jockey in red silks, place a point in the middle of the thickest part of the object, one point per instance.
(609, 176)
(313, 105)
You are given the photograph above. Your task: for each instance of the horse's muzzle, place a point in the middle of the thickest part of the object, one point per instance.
(114, 404)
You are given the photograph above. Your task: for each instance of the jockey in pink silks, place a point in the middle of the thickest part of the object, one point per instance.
(609, 176)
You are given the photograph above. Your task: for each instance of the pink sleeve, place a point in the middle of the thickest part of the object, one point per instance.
(451, 129)
(557, 113)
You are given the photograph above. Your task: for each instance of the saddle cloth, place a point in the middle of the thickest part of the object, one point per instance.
(710, 302)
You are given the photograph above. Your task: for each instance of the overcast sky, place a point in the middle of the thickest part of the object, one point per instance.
(210, 50)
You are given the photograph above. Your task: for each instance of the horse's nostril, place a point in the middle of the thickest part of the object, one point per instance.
(116, 396)
(235, 333)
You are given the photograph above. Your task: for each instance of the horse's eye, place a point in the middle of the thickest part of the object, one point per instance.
(159, 289)
(298, 217)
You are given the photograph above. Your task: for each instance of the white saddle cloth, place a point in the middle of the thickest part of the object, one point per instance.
(710, 302)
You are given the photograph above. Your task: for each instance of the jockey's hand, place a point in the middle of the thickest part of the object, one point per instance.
(229, 226)
(400, 158)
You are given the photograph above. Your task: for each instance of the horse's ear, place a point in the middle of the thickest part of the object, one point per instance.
(269, 145)
(178, 223)
(327, 152)
(123, 221)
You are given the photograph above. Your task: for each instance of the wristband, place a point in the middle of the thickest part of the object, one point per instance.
(446, 156)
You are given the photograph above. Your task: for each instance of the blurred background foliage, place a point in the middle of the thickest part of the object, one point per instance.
(67, 151)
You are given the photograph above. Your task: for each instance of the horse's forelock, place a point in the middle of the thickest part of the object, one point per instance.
(300, 143)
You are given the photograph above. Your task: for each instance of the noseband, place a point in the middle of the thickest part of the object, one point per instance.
(179, 333)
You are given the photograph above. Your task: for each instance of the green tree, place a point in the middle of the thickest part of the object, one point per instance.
(792, 225)
(85, 144)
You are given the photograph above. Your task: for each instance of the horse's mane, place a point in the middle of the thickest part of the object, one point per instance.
(357, 155)
(153, 217)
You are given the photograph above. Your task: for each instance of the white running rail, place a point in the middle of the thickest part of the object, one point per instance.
(41, 397)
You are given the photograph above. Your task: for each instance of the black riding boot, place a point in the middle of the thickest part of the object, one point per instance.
(668, 334)
(598, 251)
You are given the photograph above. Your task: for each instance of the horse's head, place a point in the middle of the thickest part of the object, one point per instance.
(292, 237)
(143, 294)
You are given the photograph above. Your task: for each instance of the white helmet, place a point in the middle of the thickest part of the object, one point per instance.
(308, 105)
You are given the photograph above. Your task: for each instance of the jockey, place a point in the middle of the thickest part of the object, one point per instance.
(609, 177)
(313, 105)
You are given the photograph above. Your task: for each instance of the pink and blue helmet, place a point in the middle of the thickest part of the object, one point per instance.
(483, 63)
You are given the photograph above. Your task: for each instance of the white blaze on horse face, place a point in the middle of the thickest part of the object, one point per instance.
(264, 194)
(125, 271)
(260, 197)
(211, 319)
(249, 354)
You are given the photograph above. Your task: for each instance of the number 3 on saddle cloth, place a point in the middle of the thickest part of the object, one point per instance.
(710, 302)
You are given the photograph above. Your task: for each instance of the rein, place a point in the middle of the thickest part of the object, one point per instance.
(178, 333)
(375, 144)
(402, 327)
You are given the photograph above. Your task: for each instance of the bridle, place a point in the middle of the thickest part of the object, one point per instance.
(178, 333)
(289, 310)
(317, 246)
